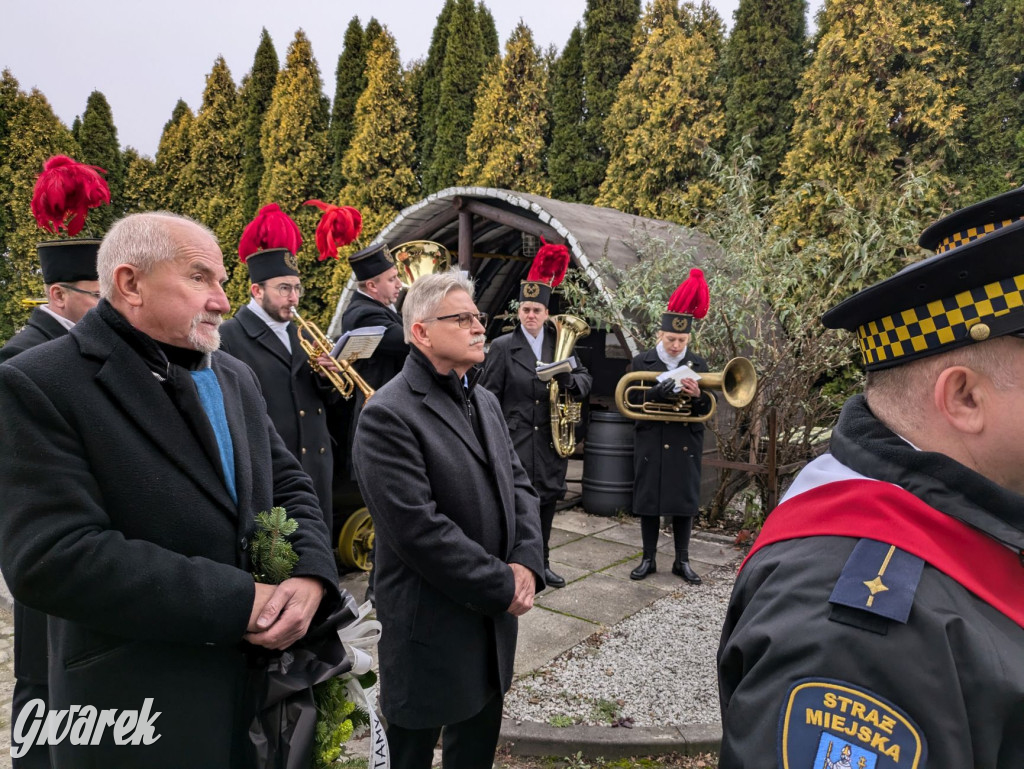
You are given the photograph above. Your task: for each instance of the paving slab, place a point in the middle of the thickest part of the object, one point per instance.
(629, 534)
(591, 553)
(544, 634)
(561, 537)
(581, 523)
(715, 553)
(601, 598)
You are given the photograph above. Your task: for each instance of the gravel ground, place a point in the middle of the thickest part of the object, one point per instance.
(656, 667)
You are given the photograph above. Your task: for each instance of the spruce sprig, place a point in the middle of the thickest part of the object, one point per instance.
(273, 556)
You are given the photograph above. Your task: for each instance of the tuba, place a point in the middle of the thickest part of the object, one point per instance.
(565, 412)
(737, 381)
(316, 343)
(420, 257)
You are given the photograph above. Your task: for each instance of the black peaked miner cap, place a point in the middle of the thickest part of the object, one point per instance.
(971, 290)
(371, 261)
(271, 263)
(68, 261)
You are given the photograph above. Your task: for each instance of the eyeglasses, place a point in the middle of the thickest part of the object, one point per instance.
(286, 289)
(465, 319)
(77, 290)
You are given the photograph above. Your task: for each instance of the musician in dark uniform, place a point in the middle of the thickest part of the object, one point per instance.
(263, 335)
(510, 372)
(881, 612)
(72, 289)
(667, 454)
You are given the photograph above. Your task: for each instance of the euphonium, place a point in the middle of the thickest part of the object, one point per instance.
(316, 343)
(737, 381)
(565, 412)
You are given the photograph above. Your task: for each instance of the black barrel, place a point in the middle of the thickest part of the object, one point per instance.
(608, 464)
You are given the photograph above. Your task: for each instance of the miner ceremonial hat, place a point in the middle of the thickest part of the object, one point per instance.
(269, 244)
(371, 262)
(689, 302)
(63, 194)
(971, 290)
(547, 272)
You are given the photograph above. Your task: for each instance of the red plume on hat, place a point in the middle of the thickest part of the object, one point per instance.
(692, 297)
(64, 193)
(270, 228)
(549, 265)
(338, 227)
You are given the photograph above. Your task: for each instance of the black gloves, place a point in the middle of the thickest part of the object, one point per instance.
(663, 391)
(564, 379)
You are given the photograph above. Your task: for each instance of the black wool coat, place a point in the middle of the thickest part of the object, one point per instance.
(118, 525)
(510, 372)
(450, 512)
(667, 455)
(297, 398)
(41, 327)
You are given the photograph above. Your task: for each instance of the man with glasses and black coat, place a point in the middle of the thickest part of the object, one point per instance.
(262, 334)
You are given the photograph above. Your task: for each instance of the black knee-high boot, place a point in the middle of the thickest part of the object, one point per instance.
(650, 527)
(547, 519)
(681, 528)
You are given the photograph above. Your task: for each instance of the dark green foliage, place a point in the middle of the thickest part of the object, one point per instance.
(374, 29)
(463, 67)
(172, 158)
(993, 131)
(11, 100)
(256, 93)
(76, 126)
(568, 150)
(763, 61)
(141, 184)
(273, 556)
(427, 89)
(608, 54)
(349, 83)
(490, 45)
(97, 137)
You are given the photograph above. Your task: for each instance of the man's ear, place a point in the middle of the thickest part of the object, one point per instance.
(420, 334)
(256, 291)
(960, 396)
(127, 285)
(56, 294)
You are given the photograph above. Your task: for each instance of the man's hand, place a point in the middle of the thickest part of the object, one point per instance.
(281, 613)
(327, 363)
(526, 583)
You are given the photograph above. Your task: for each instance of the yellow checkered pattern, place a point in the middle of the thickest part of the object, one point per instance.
(960, 238)
(938, 323)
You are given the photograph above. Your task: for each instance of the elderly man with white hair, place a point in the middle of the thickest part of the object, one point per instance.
(459, 552)
(133, 460)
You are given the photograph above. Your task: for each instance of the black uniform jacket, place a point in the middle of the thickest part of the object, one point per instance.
(510, 372)
(297, 398)
(667, 455)
(30, 625)
(451, 511)
(954, 665)
(118, 525)
(41, 327)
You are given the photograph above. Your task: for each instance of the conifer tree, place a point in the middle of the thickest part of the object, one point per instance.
(141, 186)
(97, 136)
(12, 99)
(373, 30)
(460, 77)
(490, 45)
(34, 135)
(669, 109)
(294, 145)
(878, 99)
(378, 164)
(76, 126)
(255, 95)
(349, 82)
(763, 61)
(173, 154)
(608, 54)
(992, 160)
(568, 150)
(505, 147)
(428, 89)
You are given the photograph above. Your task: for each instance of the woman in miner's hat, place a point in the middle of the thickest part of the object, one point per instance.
(667, 454)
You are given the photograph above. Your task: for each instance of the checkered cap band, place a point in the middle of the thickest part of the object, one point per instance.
(960, 238)
(936, 324)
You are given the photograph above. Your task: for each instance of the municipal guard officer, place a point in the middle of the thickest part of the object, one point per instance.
(880, 615)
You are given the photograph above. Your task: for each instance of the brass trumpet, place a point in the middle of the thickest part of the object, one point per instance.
(316, 343)
(737, 381)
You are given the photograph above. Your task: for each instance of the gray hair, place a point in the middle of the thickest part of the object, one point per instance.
(140, 240)
(426, 294)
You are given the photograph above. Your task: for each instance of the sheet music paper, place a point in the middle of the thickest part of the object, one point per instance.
(358, 343)
(547, 371)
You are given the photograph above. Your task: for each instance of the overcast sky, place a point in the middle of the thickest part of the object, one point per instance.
(144, 56)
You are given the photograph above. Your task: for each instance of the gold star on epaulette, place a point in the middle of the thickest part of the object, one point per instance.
(876, 585)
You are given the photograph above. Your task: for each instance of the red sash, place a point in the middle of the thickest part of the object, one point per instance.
(884, 512)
